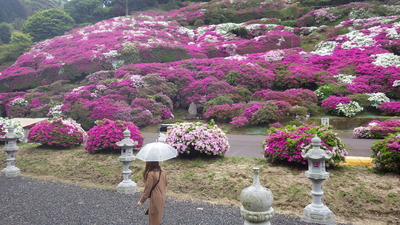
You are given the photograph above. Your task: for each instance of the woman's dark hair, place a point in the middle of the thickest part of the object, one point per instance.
(151, 166)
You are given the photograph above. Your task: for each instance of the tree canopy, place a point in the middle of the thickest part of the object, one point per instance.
(47, 24)
(5, 32)
(87, 11)
(10, 10)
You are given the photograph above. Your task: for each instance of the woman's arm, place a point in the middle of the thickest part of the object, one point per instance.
(149, 184)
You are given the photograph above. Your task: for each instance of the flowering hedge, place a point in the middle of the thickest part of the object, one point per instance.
(197, 138)
(386, 153)
(58, 133)
(107, 133)
(18, 130)
(1, 130)
(391, 108)
(377, 129)
(287, 143)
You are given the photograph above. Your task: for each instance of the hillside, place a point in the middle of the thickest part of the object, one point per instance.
(258, 57)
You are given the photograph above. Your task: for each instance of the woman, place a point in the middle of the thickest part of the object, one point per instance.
(155, 189)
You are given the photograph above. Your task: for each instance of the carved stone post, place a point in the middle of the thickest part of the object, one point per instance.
(10, 148)
(256, 203)
(317, 212)
(127, 186)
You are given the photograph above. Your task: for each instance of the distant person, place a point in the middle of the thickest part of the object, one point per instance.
(155, 189)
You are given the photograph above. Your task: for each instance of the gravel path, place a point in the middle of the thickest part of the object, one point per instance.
(32, 201)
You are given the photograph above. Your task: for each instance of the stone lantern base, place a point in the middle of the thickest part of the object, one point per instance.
(126, 187)
(257, 218)
(318, 214)
(11, 171)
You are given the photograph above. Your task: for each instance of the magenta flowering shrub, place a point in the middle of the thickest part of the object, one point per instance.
(331, 102)
(293, 96)
(287, 143)
(386, 154)
(106, 133)
(224, 112)
(376, 129)
(120, 100)
(197, 139)
(205, 89)
(390, 108)
(1, 130)
(262, 113)
(58, 132)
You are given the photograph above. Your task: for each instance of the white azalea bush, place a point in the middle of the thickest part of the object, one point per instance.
(350, 109)
(377, 99)
(19, 131)
(198, 139)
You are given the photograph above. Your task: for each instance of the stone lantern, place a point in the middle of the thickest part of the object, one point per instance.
(256, 203)
(317, 212)
(127, 186)
(10, 148)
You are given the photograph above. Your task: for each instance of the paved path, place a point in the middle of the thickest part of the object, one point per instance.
(250, 145)
(36, 202)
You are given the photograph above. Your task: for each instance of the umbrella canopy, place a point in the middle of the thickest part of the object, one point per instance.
(156, 152)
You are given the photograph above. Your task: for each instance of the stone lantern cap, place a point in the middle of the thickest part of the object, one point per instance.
(10, 134)
(316, 152)
(127, 141)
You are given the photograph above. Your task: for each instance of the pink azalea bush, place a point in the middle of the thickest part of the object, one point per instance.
(58, 132)
(106, 133)
(390, 108)
(293, 96)
(386, 154)
(287, 143)
(377, 129)
(1, 130)
(331, 102)
(198, 138)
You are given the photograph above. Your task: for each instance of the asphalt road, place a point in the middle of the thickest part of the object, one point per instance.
(250, 145)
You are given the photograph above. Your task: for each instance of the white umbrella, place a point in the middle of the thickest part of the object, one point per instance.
(156, 152)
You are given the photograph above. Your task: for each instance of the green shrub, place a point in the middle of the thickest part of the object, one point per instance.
(362, 99)
(219, 100)
(329, 89)
(271, 112)
(5, 32)
(289, 23)
(10, 53)
(386, 154)
(219, 15)
(313, 109)
(199, 23)
(298, 111)
(19, 37)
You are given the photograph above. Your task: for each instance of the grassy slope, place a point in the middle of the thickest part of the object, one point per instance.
(354, 194)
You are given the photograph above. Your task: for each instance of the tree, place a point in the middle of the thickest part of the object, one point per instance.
(47, 24)
(18, 37)
(10, 10)
(5, 32)
(87, 11)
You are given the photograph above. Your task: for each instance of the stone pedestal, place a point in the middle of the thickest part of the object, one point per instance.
(11, 147)
(127, 186)
(317, 212)
(256, 203)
